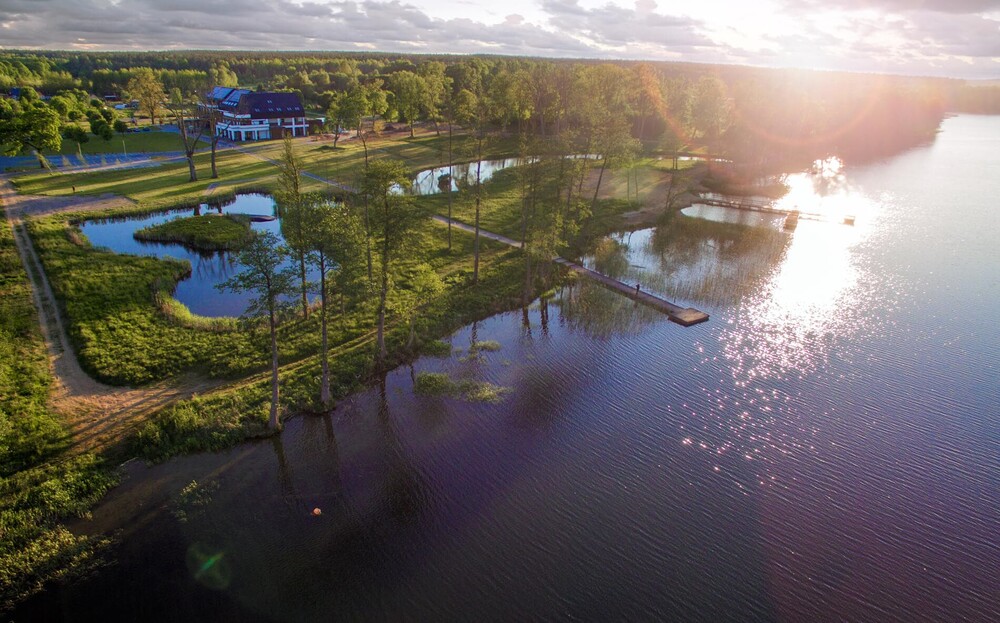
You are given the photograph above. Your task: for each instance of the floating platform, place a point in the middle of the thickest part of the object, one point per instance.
(689, 316)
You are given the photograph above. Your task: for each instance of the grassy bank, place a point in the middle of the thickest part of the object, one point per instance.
(210, 232)
(40, 484)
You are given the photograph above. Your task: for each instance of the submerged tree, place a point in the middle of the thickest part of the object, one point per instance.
(262, 274)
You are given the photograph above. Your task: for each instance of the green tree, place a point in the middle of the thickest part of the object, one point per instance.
(346, 111)
(711, 108)
(393, 218)
(147, 89)
(334, 239)
(437, 88)
(458, 106)
(294, 213)
(190, 130)
(121, 128)
(421, 285)
(78, 135)
(410, 91)
(262, 274)
(475, 112)
(33, 126)
(102, 129)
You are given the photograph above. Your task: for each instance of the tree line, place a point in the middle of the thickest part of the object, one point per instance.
(766, 117)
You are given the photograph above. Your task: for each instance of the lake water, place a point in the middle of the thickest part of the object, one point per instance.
(198, 291)
(825, 448)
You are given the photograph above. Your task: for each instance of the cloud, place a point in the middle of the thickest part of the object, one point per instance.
(898, 6)
(613, 26)
(908, 36)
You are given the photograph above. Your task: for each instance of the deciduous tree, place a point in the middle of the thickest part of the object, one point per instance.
(294, 213)
(147, 89)
(30, 126)
(334, 238)
(262, 274)
(393, 217)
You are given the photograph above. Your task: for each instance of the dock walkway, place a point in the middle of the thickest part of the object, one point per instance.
(684, 316)
(752, 204)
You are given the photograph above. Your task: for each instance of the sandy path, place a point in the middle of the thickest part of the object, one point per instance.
(99, 415)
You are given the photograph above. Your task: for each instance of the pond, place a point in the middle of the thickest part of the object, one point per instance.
(826, 447)
(434, 181)
(209, 269)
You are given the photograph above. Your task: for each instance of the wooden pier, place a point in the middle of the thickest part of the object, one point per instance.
(763, 205)
(684, 316)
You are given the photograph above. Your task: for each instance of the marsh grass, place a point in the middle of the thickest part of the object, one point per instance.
(440, 384)
(209, 232)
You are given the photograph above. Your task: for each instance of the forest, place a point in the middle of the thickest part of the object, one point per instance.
(765, 119)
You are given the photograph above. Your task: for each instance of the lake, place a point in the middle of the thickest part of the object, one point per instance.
(825, 448)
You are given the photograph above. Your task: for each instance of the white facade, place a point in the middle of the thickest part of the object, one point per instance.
(243, 128)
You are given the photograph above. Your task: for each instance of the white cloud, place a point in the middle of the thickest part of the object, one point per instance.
(909, 36)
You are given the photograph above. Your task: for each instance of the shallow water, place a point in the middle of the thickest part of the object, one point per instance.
(198, 291)
(429, 182)
(825, 448)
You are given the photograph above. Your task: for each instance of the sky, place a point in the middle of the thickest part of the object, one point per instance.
(955, 38)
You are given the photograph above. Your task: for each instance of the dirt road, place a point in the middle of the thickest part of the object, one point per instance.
(98, 415)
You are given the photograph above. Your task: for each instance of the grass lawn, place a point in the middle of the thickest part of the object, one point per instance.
(135, 142)
(160, 187)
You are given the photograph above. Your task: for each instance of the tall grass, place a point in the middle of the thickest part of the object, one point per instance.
(39, 484)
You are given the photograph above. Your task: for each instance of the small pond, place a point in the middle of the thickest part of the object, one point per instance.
(428, 182)
(198, 291)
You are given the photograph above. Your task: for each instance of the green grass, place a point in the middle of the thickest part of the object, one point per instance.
(39, 484)
(135, 142)
(162, 187)
(210, 232)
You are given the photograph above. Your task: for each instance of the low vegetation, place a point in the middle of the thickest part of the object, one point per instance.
(41, 483)
(440, 384)
(209, 232)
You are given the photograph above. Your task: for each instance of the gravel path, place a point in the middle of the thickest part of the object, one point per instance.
(99, 415)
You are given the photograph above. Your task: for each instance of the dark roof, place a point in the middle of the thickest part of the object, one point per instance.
(263, 105)
(270, 105)
(232, 100)
(218, 94)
